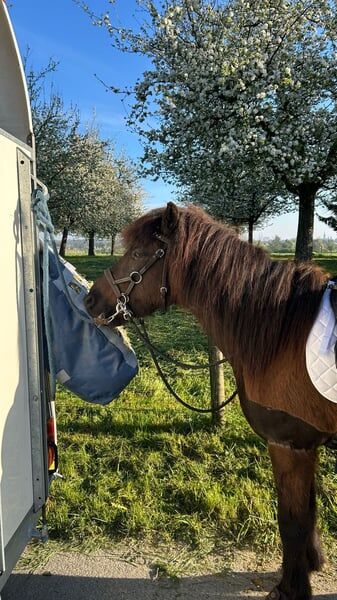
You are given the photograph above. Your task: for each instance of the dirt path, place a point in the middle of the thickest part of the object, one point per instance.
(107, 576)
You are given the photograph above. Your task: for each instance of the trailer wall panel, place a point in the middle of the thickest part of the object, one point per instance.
(16, 487)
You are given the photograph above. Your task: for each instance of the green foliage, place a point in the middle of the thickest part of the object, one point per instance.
(322, 246)
(144, 467)
(246, 196)
(277, 245)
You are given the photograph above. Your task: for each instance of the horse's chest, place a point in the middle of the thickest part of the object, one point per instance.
(320, 350)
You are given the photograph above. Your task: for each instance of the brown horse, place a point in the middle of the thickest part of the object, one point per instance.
(259, 312)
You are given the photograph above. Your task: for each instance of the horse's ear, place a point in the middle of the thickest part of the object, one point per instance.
(170, 219)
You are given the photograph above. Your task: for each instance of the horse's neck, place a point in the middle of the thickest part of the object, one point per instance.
(250, 305)
(214, 290)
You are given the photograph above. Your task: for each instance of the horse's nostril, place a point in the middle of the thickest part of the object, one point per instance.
(89, 301)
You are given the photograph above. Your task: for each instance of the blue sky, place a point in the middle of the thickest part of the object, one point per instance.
(60, 29)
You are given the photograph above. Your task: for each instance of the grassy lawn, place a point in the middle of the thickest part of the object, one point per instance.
(146, 468)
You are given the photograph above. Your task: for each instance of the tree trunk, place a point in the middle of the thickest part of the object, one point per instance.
(250, 231)
(305, 229)
(217, 384)
(113, 238)
(91, 247)
(64, 240)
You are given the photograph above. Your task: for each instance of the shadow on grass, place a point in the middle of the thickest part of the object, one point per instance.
(130, 430)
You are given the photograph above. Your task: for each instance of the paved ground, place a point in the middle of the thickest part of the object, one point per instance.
(74, 576)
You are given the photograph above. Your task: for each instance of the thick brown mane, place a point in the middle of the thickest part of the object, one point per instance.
(263, 305)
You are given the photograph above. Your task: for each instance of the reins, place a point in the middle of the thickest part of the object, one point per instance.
(143, 334)
(167, 384)
(133, 279)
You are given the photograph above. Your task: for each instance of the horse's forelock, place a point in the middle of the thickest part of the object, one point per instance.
(143, 229)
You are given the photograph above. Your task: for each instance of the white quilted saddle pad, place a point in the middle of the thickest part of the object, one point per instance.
(320, 355)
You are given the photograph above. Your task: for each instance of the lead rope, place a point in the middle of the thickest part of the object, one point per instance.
(144, 336)
(167, 384)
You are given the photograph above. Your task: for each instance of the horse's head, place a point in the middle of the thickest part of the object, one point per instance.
(140, 279)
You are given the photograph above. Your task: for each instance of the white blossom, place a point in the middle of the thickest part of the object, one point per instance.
(231, 78)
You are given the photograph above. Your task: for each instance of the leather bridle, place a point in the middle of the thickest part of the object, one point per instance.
(133, 279)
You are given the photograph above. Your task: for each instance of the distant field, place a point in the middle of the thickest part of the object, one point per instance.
(92, 266)
(326, 261)
(146, 468)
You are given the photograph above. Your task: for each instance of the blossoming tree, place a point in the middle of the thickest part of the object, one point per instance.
(97, 194)
(229, 80)
(112, 196)
(93, 190)
(241, 193)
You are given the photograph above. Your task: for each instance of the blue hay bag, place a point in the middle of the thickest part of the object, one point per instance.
(94, 362)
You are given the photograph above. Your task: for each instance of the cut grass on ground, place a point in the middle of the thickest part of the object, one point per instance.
(143, 467)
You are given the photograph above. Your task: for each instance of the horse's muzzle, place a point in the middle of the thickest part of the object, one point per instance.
(89, 303)
(95, 304)
(101, 312)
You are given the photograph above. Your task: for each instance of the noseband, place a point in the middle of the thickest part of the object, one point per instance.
(133, 279)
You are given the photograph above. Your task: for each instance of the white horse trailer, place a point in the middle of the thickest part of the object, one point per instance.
(26, 410)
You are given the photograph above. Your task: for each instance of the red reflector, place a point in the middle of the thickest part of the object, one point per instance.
(51, 429)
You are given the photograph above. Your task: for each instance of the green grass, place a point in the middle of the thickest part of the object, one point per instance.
(91, 266)
(329, 263)
(326, 261)
(146, 468)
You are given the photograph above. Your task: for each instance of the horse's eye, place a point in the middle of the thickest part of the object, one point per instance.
(137, 253)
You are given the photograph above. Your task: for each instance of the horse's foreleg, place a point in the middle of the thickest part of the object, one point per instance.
(314, 551)
(294, 472)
